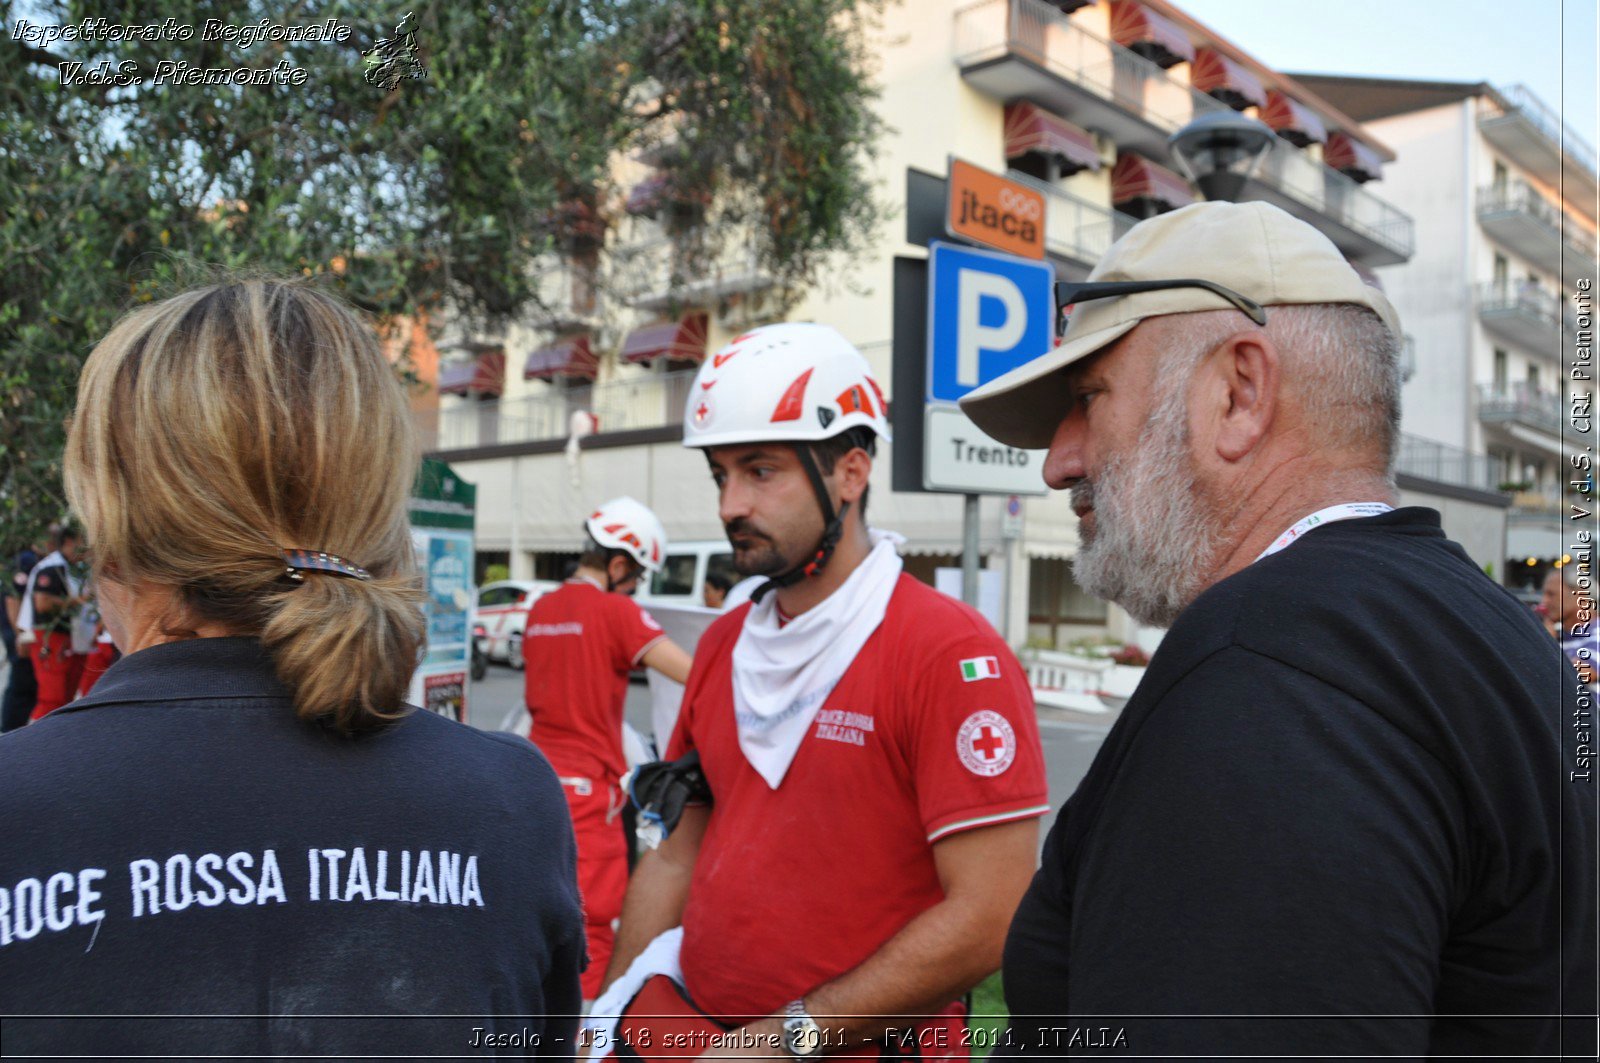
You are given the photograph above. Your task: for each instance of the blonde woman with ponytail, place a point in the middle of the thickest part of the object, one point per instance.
(244, 820)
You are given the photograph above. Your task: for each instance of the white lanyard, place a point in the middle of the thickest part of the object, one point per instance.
(1344, 511)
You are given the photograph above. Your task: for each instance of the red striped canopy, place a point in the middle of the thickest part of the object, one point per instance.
(1136, 177)
(1292, 120)
(681, 340)
(1158, 39)
(1216, 74)
(1347, 154)
(1030, 128)
(568, 356)
(483, 375)
(648, 195)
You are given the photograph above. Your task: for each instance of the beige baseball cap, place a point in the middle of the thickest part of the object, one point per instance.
(1255, 249)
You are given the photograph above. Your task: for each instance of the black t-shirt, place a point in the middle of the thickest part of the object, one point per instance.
(179, 844)
(1355, 786)
(52, 579)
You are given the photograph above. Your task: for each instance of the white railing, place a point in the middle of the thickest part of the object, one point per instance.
(1523, 404)
(1083, 684)
(619, 405)
(1528, 300)
(1548, 122)
(1522, 199)
(651, 273)
(1038, 32)
(1442, 463)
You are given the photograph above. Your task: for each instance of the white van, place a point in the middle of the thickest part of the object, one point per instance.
(683, 573)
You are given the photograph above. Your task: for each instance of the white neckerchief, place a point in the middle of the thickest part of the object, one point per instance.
(1343, 511)
(783, 674)
(74, 585)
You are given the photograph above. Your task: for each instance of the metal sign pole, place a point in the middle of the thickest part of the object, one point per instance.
(969, 551)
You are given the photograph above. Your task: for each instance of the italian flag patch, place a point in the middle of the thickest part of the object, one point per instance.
(976, 668)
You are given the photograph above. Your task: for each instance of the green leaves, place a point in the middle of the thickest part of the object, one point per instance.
(436, 196)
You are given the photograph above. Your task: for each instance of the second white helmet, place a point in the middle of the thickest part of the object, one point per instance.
(628, 525)
(792, 382)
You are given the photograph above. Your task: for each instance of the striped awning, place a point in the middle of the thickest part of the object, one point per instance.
(484, 375)
(682, 340)
(648, 196)
(570, 356)
(1348, 155)
(1136, 177)
(1141, 30)
(1292, 120)
(1030, 128)
(1226, 80)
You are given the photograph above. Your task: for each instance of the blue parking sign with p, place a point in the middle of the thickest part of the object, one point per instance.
(987, 314)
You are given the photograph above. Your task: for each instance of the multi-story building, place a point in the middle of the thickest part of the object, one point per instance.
(1504, 197)
(1075, 98)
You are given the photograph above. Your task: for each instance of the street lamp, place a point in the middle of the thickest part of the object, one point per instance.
(1218, 151)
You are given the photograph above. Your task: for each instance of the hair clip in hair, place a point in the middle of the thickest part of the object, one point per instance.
(301, 561)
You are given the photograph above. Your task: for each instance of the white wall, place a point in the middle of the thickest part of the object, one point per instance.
(1429, 180)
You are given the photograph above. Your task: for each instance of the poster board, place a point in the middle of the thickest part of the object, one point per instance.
(443, 516)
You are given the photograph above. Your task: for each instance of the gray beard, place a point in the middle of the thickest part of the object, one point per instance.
(1152, 546)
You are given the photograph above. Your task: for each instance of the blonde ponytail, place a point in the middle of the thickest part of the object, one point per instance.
(219, 428)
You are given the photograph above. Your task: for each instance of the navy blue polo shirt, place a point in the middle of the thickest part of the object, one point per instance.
(21, 565)
(179, 844)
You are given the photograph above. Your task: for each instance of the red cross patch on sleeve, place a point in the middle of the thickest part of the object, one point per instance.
(986, 743)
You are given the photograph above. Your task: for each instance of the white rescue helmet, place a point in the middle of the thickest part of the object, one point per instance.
(792, 382)
(628, 525)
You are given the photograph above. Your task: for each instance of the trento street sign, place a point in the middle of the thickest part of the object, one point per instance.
(987, 314)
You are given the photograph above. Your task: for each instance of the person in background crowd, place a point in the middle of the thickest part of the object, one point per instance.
(715, 591)
(869, 744)
(581, 642)
(1570, 608)
(1319, 826)
(243, 839)
(51, 604)
(22, 686)
(104, 652)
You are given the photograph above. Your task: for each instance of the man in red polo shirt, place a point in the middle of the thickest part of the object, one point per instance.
(869, 743)
(581, 641)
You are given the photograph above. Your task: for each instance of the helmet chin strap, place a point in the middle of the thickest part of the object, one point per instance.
(832, 529)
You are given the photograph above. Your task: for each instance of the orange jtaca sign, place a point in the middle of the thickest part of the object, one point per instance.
(995, 211)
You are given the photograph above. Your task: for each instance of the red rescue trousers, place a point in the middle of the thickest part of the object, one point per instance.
(99, 659)
(59, 672)
(602, 867)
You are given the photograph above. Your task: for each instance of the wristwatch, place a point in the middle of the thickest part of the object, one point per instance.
(802, 1037)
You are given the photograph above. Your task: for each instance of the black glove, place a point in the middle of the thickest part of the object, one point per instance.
(660, 790)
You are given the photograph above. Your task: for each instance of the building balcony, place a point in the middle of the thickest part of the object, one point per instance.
(1027, 50)
(1360, 224)
(1525, 223)
(1524, 314)
(567, 298)
(651, 275)
(1529, 415)
(1076, 230)
(1442, 463)
(1535, 138)
(1534, 505)
(625, 405)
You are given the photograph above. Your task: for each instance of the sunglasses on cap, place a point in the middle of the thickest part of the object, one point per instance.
(1070, 293)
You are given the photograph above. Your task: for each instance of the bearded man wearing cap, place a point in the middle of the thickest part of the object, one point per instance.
(1345, 811)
